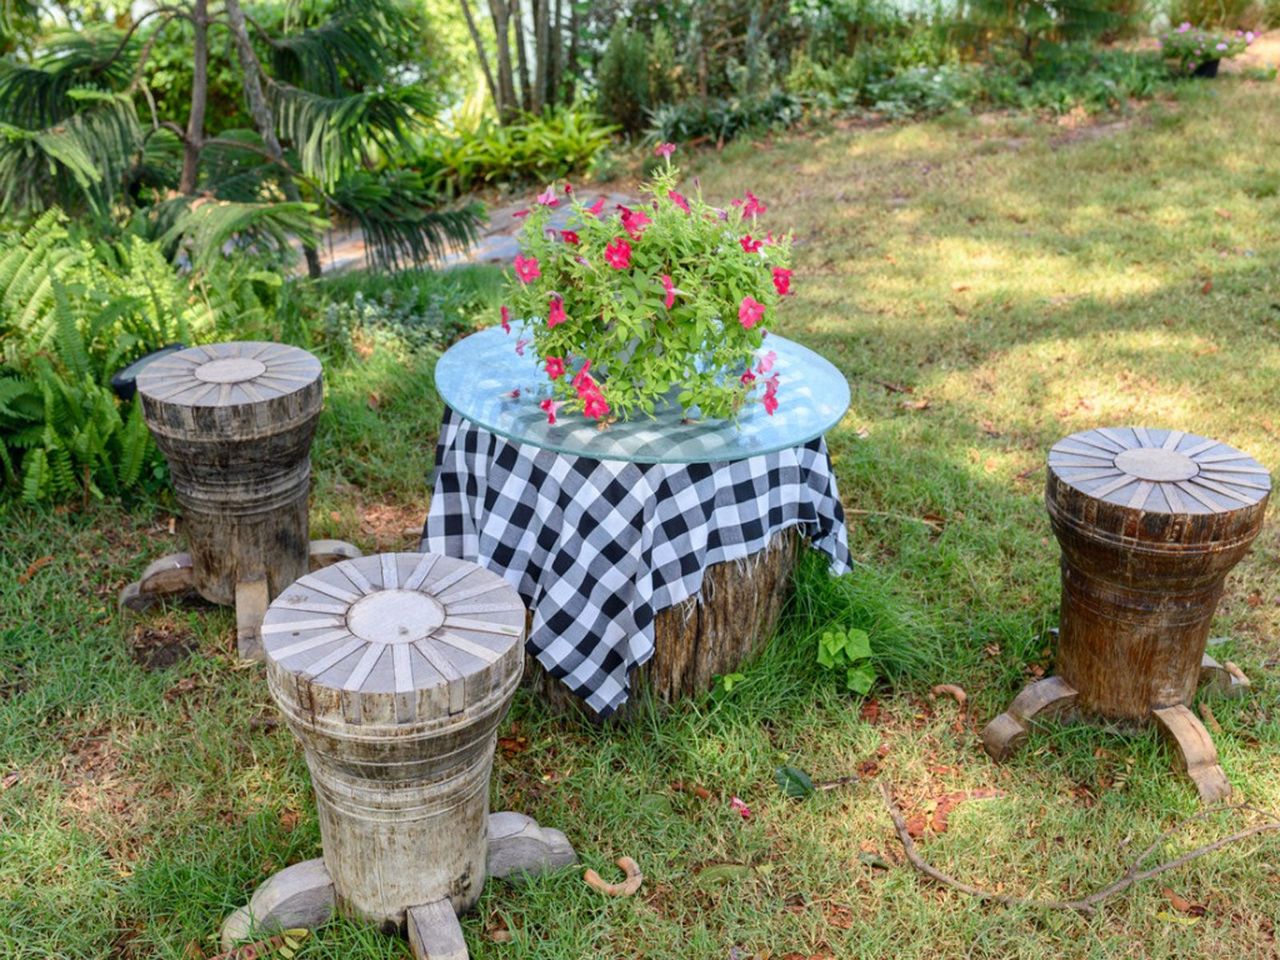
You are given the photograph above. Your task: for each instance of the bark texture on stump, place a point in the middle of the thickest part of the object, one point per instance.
(712, 634)
(1150, 523)
(235, 423)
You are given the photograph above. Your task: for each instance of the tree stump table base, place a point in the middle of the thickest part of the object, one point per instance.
(171, 579)
(1150, 523)
(302, 895)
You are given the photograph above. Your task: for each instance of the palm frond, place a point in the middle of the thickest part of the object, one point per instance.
(401, 219)
(82, 159)
(332, 135)
(40, 95)
(355, 43)
(234, 167)
(207, 229)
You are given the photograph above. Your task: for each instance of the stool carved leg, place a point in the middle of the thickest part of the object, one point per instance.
(1045, 698)
(1196, 751)
(303, 895)
(1224, 679)
(172, 577)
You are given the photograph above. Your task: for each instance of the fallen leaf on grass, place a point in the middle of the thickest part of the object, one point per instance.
(33, 569)
(511, 746)
(794, 781)
(870, 711)
(289, 819)
(1168, 917)
(840, 917)
(948, 802)
(11, 779)
(1207, 287)
(1182, 904)
(702, 793)
(921, 404)
(181, 688)
(626, 888)
(951, 690)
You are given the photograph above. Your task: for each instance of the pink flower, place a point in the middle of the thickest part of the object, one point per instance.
(569, 236)
(581, 377)
(595, 406)
(678, 200)
(738, 806)
(750, 312)
(520, 345)
(770, 399)
(521, 214)
(749, 245)
(747, 378)
(765, 363)
(555, 314)
(1184, 27)
(568, 189)
(618, 254)
(551, 406)
(596, 208)
(527, 268)
(506, 320)
(781, 281)
(555, 368)
(753, 205)
(664, 150)
(634, 222)
(548, 197)
(670, 287)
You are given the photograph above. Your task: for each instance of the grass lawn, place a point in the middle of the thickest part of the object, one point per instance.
(988, 285)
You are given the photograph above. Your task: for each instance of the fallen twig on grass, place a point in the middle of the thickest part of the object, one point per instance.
(1087, 905)
(951, 690)
(930, 523)
(627, 888)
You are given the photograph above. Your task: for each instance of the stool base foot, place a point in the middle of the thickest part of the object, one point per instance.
(298, 896)
(172, 577)
(1224, 679)
(1196, 752)
(434, 932)
(325, 553)
(519, 848)
(1044, 698)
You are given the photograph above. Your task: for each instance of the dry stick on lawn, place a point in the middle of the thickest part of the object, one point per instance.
(1088, 905)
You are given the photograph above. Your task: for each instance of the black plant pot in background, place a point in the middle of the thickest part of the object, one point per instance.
(1208, 69)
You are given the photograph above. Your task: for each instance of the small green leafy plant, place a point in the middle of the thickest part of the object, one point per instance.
(848, 651)
(1188, 47)
(627, 307)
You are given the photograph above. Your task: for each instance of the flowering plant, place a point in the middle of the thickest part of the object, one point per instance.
(1191, 47)
(624, 307)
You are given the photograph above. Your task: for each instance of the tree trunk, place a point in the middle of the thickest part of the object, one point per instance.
(556, 55)
(522, 59)
(500, 13)
(194, 140)
(480, 52)
(541, 52)
(571, 59)
(263, 118)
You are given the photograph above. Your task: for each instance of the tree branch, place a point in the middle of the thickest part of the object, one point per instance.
(1087, 906)
(480, 51)
(172, 12)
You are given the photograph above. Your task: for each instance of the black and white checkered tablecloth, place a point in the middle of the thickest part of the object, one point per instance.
(597, 547)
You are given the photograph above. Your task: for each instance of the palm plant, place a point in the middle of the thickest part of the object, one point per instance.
(331, 100)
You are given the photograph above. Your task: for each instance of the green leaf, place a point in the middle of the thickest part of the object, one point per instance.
(857, 645)
(794, 781)
(861, 678)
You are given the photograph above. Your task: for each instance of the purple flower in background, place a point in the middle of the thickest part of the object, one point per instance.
(1184, 27)
(1221, 46)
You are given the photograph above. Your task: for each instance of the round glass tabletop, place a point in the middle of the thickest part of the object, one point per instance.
(483, 379)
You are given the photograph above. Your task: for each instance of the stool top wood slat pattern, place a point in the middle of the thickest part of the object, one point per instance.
(404, 635)
(1159, 471)
(229, 374)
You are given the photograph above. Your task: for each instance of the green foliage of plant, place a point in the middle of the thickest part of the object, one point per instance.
(623, 84)
(721, 120)
(673, 296)
(1187, 47)
(848, 651)
(1022, 27)
(538, 148)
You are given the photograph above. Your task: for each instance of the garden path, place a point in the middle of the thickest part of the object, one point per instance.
(344, 248)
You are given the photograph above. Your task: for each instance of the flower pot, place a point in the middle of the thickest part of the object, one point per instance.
(1208, 69)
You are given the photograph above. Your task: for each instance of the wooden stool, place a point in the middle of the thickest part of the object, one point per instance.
(394, 672)
(1150, 522)
(235, 422)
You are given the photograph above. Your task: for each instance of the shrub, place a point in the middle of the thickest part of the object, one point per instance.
(624, 81)
(674, 296)
(719, 121)
(560, 143)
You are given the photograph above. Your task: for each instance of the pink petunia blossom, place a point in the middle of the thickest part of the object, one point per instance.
(748, 378)
(765, 363)
(568, 189)
(555, 368)
(569, 236)
(1184, 26)
(618, 254)
(781, 281)
(521, 214)
(749, 245)
(581, 376)
(551, 406)
(555, 313)
(737, 805)
(527, 268)
(770, 399)
(752, 206)
(664, 150)
(596, 208)
(750, 312)
(506, 320)
(667, 285)
(634, 222)
(595, 406)
(678, 200)
(548, 197)
(520, 345)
